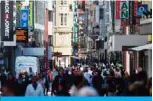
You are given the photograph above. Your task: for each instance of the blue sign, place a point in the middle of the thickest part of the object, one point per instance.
(142, 8)
(24, 18)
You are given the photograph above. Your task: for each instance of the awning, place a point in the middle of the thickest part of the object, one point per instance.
(144, 47)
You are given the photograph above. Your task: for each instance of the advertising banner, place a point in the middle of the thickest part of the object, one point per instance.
(118, 9)
(7, 20)
(124, 6)
(24, 18)
(31, 14)
(22, 35)
(135, 7)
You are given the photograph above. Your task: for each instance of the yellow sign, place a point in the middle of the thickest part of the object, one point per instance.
(149, 38)
(31, 14)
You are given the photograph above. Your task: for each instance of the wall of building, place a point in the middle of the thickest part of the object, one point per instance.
(126, 40)
(62, 37)
(39, 21)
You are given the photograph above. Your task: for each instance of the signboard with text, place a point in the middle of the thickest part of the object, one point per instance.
(31, 14)
(124, 10)
(22, 35)
(7, 20)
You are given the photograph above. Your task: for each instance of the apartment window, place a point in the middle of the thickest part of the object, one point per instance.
(61, 2)
(51, 40)
(107, 6)
(61, 19)
(101, 13)
(70, 7)
(65, 19)
(50, 15)
(62, 41)
(65, 2)
(91, 12)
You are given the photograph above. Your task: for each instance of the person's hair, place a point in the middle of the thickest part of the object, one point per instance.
(11, 86)
(142, 76)
(150, 83)
(78, 79)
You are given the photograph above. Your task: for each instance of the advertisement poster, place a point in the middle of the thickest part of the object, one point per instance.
(31, 14)
(22, 35)
(24, 18)
(7, 20)
(118, 9)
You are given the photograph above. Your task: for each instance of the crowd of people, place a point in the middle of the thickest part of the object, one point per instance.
(104, 80)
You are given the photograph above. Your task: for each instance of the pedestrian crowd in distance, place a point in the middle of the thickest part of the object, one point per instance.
(104, 80)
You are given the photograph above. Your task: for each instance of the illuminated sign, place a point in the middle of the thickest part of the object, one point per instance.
(21, 35)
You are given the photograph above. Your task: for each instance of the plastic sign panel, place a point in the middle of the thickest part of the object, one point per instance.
(142, 8)
(24, 18)
(22, 35)
(118, 9)
(7, 20)
(31, 14)
(124, 10)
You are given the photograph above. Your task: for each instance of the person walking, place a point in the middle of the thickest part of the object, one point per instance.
(34, 89)
(60, 84)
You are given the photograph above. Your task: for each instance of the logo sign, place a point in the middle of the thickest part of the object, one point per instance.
(7, 20)
(31, 14)
(24, 18)
(22, 35)
(142, 8)
(124, 10)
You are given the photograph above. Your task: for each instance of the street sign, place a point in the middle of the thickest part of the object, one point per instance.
(24, 18)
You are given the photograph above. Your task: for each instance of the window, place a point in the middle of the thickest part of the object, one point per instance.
(62, 40)
(65, 2)
(51, 40)
(107, 6)
(61, 2)
(50, 15)
(70, 7)
(91, 12)
(61, 19)
(101, 13)
(65, 19)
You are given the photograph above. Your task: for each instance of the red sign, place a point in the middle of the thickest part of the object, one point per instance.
(135, 7)
(118, 9)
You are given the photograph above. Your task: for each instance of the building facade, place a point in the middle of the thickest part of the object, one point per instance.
(63, 30)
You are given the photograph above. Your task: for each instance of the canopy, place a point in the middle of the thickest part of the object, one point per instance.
(144, 47)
